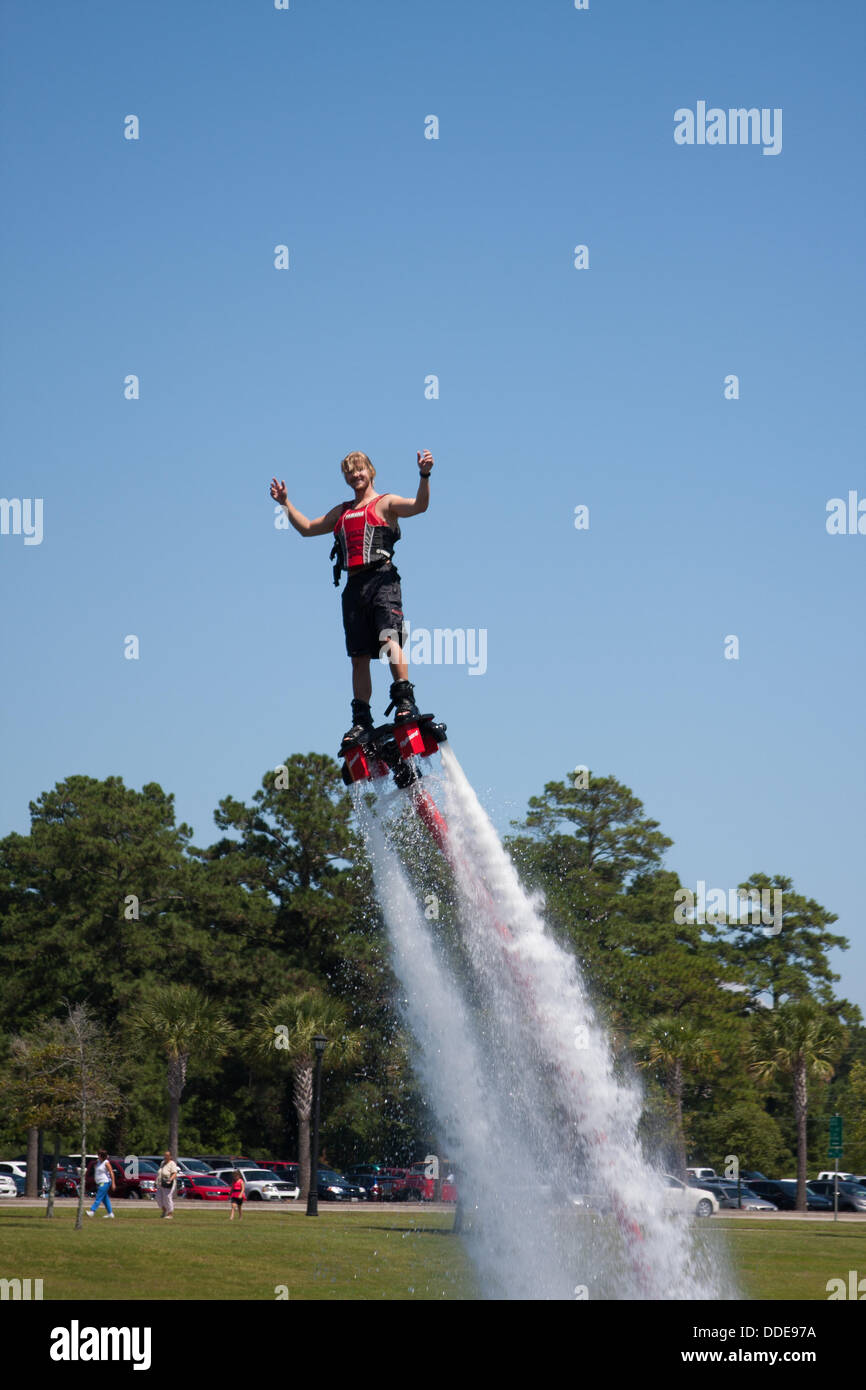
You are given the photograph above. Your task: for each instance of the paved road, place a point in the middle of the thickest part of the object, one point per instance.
(70, 1203)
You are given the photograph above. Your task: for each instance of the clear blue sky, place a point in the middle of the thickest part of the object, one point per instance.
(558, 387)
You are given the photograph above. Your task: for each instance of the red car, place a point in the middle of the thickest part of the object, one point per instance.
(420, 1182)
(65, 1184)
(129, 1181)
(200, 1186)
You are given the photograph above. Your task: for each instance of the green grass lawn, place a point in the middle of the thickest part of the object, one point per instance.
(201, 1255)
(790, 1259)
(348, 1254)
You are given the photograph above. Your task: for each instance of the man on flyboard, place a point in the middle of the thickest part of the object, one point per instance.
(366, 531)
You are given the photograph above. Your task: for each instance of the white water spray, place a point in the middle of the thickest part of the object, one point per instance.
(523, 1086)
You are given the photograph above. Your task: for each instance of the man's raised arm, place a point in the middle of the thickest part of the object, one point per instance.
(321, 526)
(413, 506)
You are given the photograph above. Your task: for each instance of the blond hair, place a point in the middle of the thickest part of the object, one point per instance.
(354, 458)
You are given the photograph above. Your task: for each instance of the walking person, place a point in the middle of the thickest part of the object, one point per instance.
(239, 1189)
(166, 1185)
(104, 1178)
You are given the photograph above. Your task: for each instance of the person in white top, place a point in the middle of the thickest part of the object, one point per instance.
(104, 1178)
(166, 1185)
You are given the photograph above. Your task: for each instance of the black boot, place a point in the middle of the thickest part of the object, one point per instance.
(363, 722)
(403, 702)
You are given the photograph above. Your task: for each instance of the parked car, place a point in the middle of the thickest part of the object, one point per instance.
(420, 1182)
(829, 1175)
(9, 1167)
(71, 1163)
(67, 1170)
(333, 1187)
(65, 1184)
(261, 1185)
(16, 1169)
(815, 1201)
(391, 1187)
(391, 1184)
(8, 1185)
(783, 1192)
(731, 1197)
(380, 1184)
(679, 1196)
(283, 1172)
(144, 1179)
(701, 1173)
(283, 1168)
(21, 1184)
(286, 1177)
(186, 1165)
(751, 1200)
(852, 1197)
(136, 1181)
(365, 1180)
(379, 1187)
(203, 1187)
(66, 1179)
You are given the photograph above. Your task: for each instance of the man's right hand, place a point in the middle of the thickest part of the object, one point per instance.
(278, 492)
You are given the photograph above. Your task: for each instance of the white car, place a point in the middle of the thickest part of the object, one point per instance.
(288, 1186)
(10, 1167)
(260, 1185)
(680, 1197)
(702, 1173)
(7, 1186)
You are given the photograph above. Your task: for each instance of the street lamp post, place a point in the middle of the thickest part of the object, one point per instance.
(319, 1043)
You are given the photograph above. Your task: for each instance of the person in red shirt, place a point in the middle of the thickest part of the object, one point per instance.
(365, 532)
(238, 1193)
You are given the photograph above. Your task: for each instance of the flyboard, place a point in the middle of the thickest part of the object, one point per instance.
(396, 750)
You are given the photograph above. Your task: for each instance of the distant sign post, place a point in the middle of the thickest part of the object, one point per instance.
(835, 1151)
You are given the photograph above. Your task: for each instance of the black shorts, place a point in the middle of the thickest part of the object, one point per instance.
(372, 604)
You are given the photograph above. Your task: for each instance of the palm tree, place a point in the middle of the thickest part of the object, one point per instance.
(799, 1040)
(180, 1023)
(676, 1046)
(282, 1034)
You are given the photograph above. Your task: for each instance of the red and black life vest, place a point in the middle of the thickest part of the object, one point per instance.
(361, 539)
